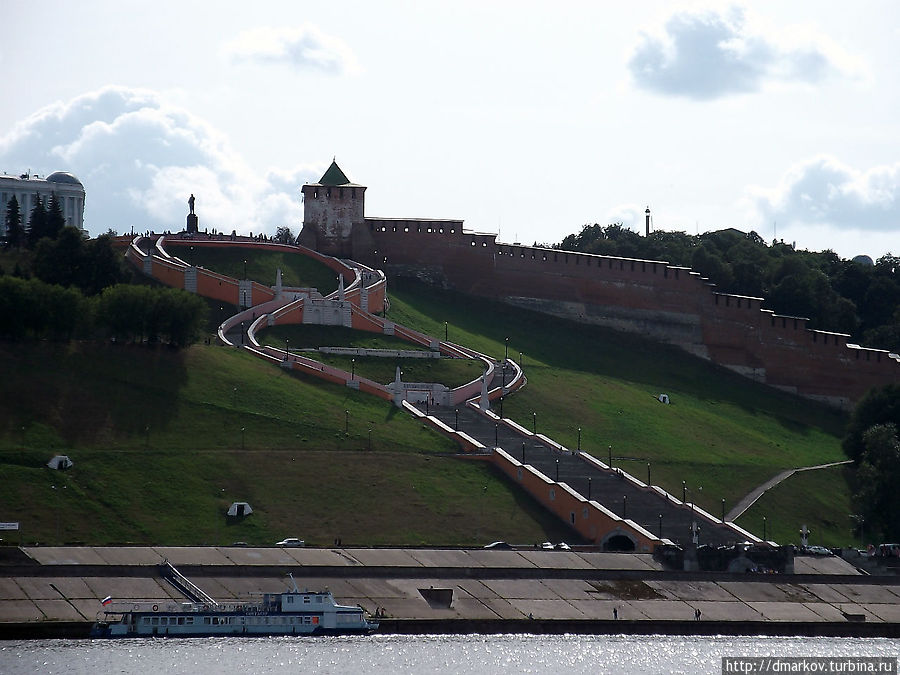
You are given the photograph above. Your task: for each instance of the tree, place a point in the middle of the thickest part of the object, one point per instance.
(15, 234)
(37, 222)
(878, 480)
(880, 405)
(56, 221)
(283, 235)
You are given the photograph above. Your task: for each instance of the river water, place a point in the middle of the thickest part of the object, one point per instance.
(444, 654)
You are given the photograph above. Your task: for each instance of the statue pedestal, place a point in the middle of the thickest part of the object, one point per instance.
(192, 223)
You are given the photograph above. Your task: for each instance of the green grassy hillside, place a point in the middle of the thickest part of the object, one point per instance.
(163, 440)
(722, 434)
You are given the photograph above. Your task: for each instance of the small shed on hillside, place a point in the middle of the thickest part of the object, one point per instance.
(239, 509)
(61, 462)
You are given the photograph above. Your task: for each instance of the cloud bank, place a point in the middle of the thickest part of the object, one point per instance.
(705, 55)
(824, 191)
(303, 47)
(140, 158)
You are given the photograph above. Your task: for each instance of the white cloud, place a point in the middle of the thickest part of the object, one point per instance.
(630, 216)
(302, 47)
(708, 54)
(139, 160)
(824, 191)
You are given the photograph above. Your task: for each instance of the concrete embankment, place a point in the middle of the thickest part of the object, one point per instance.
(56, 592)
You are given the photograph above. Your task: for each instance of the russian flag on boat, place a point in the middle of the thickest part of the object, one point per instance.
(106, 600)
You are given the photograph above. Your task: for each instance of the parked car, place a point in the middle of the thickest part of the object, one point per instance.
(547, 546)
(499, 545)
(562, 546)
(291, 542)
(242, 544)
(817, 550)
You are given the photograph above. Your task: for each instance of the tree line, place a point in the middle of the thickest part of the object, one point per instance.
(847, 296)
(46, 220)
(34, 309)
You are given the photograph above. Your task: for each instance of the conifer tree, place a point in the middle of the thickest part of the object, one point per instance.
(15, 235)
(37, 223)
(55, 219)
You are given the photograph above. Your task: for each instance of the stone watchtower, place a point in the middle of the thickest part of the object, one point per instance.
(332, 209)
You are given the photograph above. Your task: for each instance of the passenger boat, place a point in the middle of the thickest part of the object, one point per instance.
(292, 612)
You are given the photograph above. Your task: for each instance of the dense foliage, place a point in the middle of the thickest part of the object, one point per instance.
(33, 309)
(835, 294)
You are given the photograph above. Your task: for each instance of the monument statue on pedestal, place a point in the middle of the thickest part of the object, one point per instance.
(193, 226)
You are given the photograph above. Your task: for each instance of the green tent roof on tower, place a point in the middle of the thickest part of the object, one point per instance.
(334, 176)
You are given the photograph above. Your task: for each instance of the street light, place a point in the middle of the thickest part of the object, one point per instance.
(660, 526)
(496, 435)
(609, 456)
(501, 404)
(683, 491)
(579, 439)
(352, 369)
(457, 420)
(624, 506)
(347, 422)
(287, 349)
(245, 269)
(723, 509)
(523, 452)
(589, 488)
(764, 528)
(370, 439)
(242, 438)
(534, 422)
(445, 332)
(648, 473)
(557, 470)
(506, 356)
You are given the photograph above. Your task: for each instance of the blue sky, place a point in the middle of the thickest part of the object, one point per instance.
(525, 119)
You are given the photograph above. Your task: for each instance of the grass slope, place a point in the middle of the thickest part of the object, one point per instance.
(722, 435)
(163, 441)
(296, 270)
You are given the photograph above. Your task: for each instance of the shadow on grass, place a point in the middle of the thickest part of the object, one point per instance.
(85, 393)
(560, 343)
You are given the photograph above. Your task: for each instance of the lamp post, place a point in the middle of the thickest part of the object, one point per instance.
(506, 356)
(287, 349)
(521, 364)
(245, 269)
(523, 452)
(589, 488)
(242, 333)
(660, 526)
(648, 474)
(624, 506)
(534, 422)
(191, 261)
(347, 422)
(501, 404)
(456, 425)
(579, 439)
(557, 470)
(242, 438)
(446, 332)
(370, 439)
(352, 369)
(496, 435)
(723, 509)
(683, 491)
(609, 456)
(764, 528)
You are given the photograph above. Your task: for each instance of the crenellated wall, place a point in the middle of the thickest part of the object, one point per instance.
(668, 303)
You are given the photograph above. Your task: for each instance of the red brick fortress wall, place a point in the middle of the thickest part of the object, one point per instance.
(664, 302)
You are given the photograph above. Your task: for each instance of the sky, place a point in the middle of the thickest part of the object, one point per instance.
(525, 119)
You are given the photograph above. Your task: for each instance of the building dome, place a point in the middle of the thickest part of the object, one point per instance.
(63, 177)
(864, 260)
